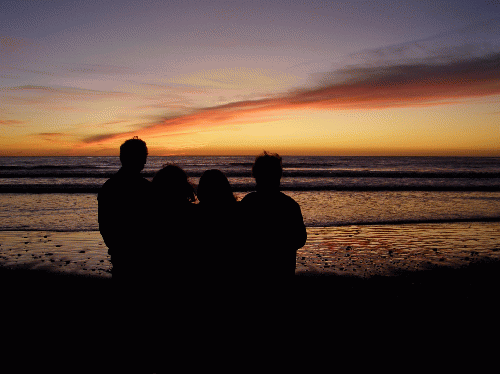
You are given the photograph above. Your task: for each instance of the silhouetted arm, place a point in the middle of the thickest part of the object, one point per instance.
(297, 235)
(108, 219)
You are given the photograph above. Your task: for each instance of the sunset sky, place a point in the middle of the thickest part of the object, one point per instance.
(236, 77)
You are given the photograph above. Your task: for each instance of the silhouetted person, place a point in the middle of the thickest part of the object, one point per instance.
(124, 203)
(274, 223)
(218, 247)
(174, 230)
(175, 308)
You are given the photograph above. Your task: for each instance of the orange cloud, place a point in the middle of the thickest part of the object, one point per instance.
(11, 122)
(53, 137)
(381, 87)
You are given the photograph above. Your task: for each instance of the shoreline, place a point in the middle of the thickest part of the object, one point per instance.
(384, 257)
(353, 250)
(71, 189)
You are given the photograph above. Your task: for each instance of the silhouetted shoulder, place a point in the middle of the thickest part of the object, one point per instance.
(122, 182)
(276, 217)
(123, 208)
(287, 199)
(248, 198)
(276, 199)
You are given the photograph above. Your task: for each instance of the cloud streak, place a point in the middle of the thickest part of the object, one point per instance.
(11, 122)
(422, 83)
(56, 98)
(53, 137)
(408, 84)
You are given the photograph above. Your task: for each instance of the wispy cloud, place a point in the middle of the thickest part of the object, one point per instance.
(13, 49)
(57, 98)
(98, 138)
(237, 78)
(448, 68)
(63, 91)
(107, 69)
(375, 87)
(53, 137)
(406, 84)
(11, 122)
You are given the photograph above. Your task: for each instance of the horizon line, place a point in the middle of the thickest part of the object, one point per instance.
(480, 154)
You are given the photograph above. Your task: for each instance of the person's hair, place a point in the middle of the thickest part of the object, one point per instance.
(173, 182)
(133, 151)
(267, 167)
(214, 187)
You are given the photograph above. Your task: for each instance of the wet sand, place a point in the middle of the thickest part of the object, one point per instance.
(388, 250)
(354, 286)
(80, 253)
(356, 251)
(413, 258)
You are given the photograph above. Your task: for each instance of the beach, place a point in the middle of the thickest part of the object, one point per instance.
(406, 255)
(406, 248)
(369, 279)
(361, 251)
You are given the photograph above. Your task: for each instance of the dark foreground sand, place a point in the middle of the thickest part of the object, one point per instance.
(394, 298)
(74, 324)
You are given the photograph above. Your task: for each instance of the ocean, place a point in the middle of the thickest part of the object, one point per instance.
(59, 193)
(365, 216)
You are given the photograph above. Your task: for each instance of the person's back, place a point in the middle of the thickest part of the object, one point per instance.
(273, 222)
(173, 228)
(275, 232)
(218, 223)
(124, 202)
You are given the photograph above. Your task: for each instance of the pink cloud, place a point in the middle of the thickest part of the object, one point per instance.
(418, 84)
(11, 122)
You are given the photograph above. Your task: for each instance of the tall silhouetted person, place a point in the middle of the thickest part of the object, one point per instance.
(274, 222)
(124, 210)
(124, 203)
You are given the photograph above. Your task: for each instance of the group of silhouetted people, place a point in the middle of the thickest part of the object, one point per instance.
(188, 263)
(159, 235)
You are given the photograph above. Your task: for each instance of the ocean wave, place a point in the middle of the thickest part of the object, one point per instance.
(49, 167)
(72, 188)
(99, 173)
(87, 174)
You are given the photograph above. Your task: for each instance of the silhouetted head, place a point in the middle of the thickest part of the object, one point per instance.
(267, 170)
(172, 183)
(133, 154)
(214, 188)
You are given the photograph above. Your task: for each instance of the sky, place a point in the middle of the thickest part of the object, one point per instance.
(238, 77)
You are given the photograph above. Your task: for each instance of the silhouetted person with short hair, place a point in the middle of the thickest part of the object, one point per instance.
(274, 223)
(218, 247)
(124, 203)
